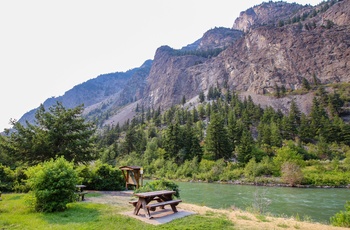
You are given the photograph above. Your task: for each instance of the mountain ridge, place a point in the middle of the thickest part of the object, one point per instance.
(274, 44)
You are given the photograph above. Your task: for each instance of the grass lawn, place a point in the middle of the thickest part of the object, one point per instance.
(16, 214)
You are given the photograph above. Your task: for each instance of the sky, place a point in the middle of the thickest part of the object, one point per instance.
(48, 47)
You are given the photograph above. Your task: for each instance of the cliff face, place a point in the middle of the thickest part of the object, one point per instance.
(266, 14)
(271, 44)
(262, 58)
(283, 56)
(168, 79)
(338, 13)
(219, 38)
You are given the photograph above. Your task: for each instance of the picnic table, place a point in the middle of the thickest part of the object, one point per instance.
(80, 191)
(163, 197)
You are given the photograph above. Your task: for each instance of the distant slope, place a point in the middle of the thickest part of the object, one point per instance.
(271, 45)
(119, 86)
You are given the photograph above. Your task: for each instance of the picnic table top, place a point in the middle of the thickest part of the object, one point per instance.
(154, 193)
(80, 186)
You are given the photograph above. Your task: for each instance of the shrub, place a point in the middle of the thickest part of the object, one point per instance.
(52, 184)
(108, 178)
(20, 184)
(250, 170)
(291, 173)
(160, 185)
(342, 219)
(211, 170)
(101, 177)
(7, 177)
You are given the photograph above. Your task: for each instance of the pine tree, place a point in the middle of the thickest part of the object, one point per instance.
(244, 150)
(305, 133)
(276, 137)
(217, 144)
(57, 132)
(201, 96)
(183, 101)
(305, 83)
(173, 140)
(294, 118)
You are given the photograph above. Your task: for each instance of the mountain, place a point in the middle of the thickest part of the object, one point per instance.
(270, 46)
(102, 94)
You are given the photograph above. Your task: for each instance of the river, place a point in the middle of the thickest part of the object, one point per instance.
(308, 203)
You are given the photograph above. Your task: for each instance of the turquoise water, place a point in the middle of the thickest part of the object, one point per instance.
(317, 204)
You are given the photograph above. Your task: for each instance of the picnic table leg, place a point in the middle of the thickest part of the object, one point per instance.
(137, 208)
(167, 198)
(173, 207)
(146, 210)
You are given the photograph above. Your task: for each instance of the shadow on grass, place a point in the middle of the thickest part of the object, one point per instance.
(14, 197)
(76, 213)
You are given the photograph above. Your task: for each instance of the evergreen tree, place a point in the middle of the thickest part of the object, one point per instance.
(345, 134)
(232, 128)
(173, 140)
(191, 144)
(201, 96)
(276, 137)
(264, 134)
(305, 83)
(57, 132)
(195, 116)
(183, 101)
(201, 111)
(216, 142)
(305, 133)
(130, 140)
(335, 103)
(294, 118)
(316, 114)
(244, 150)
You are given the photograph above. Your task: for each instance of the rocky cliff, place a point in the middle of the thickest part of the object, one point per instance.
(269, 13)
(265, 56)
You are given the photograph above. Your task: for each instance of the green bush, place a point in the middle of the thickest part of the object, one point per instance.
(101, 177)
(20, 184)
(342, 219)
(211, 170)
(231, 172)
(52, 184)
(327, 178)
(7, 177)
(160, 185)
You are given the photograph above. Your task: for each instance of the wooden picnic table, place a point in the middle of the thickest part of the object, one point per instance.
(80, 187)
(163, 197)
(80, 192)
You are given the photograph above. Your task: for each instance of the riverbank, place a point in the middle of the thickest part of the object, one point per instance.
(261, 181)
(240, 219)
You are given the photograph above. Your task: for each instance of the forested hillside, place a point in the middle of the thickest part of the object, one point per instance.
(231, 139)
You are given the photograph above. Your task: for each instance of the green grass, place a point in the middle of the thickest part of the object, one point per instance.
(15, 214)
(282, 226)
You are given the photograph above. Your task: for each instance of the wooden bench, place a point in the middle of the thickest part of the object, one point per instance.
(172, 203)
(134, 202)
(81, 194)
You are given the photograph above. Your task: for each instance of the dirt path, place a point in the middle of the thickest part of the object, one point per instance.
(241, 219)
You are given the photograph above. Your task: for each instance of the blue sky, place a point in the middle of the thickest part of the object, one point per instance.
(47, 47)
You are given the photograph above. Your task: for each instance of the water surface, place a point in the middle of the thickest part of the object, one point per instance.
(315, 203)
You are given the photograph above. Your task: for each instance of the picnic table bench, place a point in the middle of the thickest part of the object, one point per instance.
(80, 191)
(163, 197)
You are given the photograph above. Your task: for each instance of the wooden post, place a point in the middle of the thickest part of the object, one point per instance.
(141, 172)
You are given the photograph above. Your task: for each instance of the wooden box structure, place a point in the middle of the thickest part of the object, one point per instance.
(132, 176)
